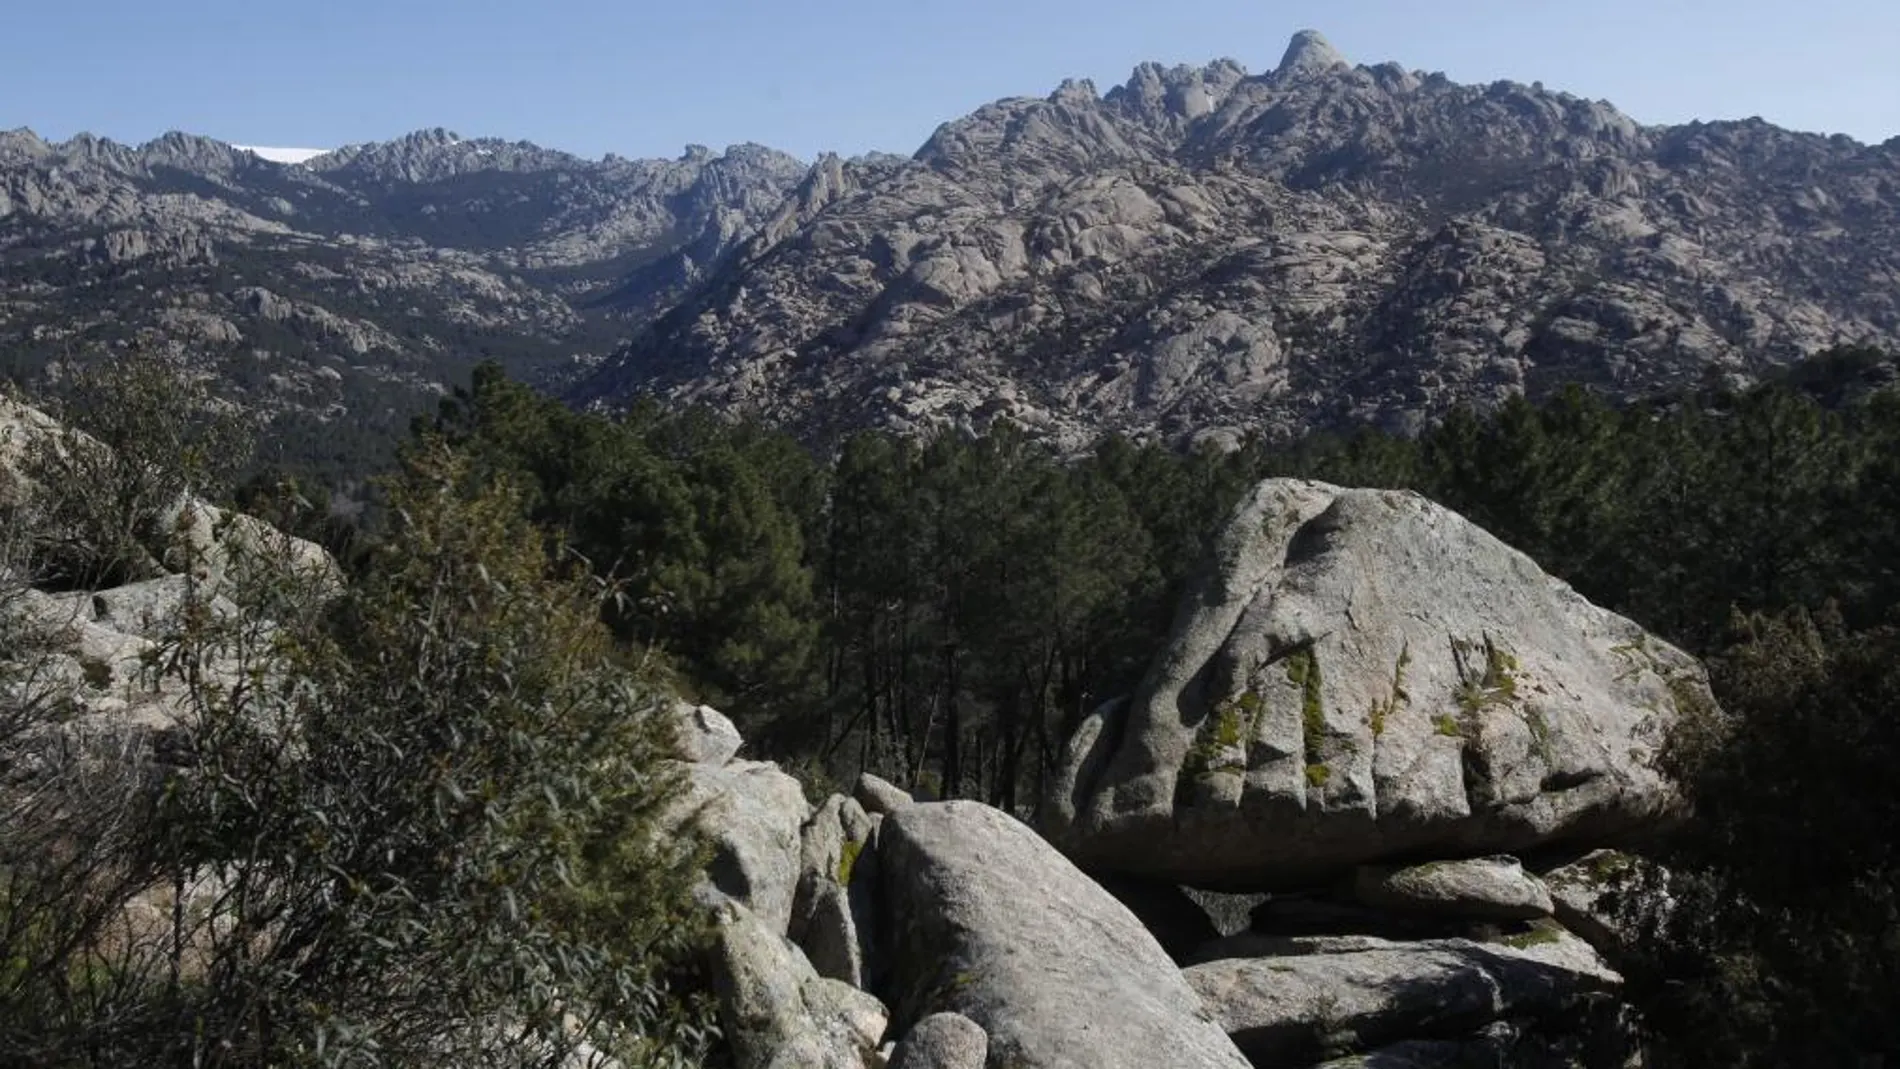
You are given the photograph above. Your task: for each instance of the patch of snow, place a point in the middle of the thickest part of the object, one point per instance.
(282, 155)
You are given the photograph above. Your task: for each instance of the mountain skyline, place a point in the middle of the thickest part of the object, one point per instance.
(1194, 251)
(1301, 39)
(641, 83)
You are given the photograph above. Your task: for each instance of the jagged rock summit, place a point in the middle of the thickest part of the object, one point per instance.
(1204, 250)
(1308, 53)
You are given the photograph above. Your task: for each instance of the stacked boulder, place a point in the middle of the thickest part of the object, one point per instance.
(875, 930)
(767, 861)
(1401, 735)
(1356, 815)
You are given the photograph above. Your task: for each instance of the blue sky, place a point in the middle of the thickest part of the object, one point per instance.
(643, 79)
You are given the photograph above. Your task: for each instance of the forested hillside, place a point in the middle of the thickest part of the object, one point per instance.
(943, 606)
(944, 612)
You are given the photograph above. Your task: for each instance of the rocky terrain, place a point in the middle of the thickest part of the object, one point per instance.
(346, 289)
(1367, 675)
(1438, 900)
(101, 646)
(1204, 250)
(1200, 251)
(1399, 749)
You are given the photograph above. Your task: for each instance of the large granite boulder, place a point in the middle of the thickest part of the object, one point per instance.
(774, 1008)
(752, 814)
(1481, 888)
(987, 920)
(1360, 676)
(1357, 993)
(942, 1041)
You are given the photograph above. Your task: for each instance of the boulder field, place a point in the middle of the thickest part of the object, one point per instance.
(1363, 810)
(1414, 751)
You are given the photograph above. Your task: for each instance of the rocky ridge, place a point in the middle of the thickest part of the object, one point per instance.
(1199, 252)
(101, 646)
(1204, 250)
(350, 288)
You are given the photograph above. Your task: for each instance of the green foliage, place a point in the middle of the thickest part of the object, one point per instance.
(953, 606)
(419, 825)
(1782, 945)
(138, 433)
(694, 520)
(465, 704)
(1302, 670)
(1382, 710)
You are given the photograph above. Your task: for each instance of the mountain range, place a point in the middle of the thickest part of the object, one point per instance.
(1198, 253)
(342, 293)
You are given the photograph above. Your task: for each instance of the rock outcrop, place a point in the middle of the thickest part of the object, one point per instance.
(100, 652)
(753, 814)
(1362, 994)
(1363, 676)
(1485, 888)
(988, 921)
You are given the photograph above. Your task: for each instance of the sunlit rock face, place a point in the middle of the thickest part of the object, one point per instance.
(1206, 250)
(1361, 676)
